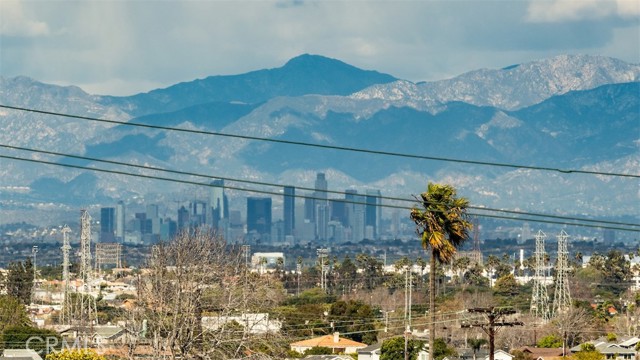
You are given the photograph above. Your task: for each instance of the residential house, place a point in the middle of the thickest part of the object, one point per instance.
(20, 354)
(611, 351)
(467, 354)
(256, 323)
(101, 335)
(371, 352)
(537, 353)
(334, 342)
(328, 357)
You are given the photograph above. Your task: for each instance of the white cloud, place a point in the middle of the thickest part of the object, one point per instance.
(122, 47)
(576, 10)
(13, 21)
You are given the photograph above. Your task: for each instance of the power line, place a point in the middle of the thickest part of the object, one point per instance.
(146, 167)
(321, 146)
(305, 196)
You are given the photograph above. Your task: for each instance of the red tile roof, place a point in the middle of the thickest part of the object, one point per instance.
(327, 341)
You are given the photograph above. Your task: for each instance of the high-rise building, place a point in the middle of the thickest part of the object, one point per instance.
(154, 219)
(310, 208)
(218, 203)
(120, 221)
(259, 215)
(198, 213)
(338, 211)
(107, 224)
(321, 186)
(152, 211)
(322, 220)
(289, 210)
(349, 206)
(168, 229)
(373, 213)
(356, 214)
(183, 219)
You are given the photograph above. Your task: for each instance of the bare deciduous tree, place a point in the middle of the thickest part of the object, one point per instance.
(197, 275)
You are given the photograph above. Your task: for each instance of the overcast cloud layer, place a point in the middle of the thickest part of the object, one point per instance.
(126, 47)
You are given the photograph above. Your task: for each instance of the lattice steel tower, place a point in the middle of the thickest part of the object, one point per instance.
(562, 295)
(539, 296)
(85, 251)
(65, 313)
(85, 314)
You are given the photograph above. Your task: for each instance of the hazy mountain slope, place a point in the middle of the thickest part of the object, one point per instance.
(571, 130)
(596, 127)
(305, 74)
(46, 132)
(592, 126)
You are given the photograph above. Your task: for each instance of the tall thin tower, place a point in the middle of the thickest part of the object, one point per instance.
(539, 296)
(86, 315)
(65, 313)
(476, 254)
(562, 295)
(85, 250)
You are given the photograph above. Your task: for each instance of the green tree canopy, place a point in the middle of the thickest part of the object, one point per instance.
(20, 280)
(587, 352)
(442, 350)
(18, 337)
(75, 355)
(550, 341)
(318, 350)
(361, 320)
(393, 349)
(12, 313)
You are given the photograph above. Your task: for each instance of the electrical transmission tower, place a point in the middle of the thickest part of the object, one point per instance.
(562, 296)
(65, 313)
(85, 310)
(475, 255)
(85, 251)
(539, 296)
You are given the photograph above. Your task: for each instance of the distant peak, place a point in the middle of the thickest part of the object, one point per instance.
(309, 59)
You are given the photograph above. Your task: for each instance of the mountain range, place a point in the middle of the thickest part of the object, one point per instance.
(566, 112)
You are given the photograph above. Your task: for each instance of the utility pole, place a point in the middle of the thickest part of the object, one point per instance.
(298, 270)
(410, 294)
(322, 254)
(386, 319)
(246, 249)
(34, 252)
(495, 318)
(407, 332)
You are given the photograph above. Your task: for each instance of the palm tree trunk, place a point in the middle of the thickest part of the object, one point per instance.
(432, 305)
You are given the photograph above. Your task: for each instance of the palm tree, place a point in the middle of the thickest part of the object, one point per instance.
(443, 226)
(475, 345)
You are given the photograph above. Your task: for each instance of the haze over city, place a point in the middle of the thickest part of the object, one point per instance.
(327, 180)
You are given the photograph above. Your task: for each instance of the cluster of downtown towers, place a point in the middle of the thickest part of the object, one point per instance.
(352, 218)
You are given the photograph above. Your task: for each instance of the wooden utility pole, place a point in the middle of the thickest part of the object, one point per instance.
(495, 318)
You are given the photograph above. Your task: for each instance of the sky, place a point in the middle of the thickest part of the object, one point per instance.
(125, 47)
